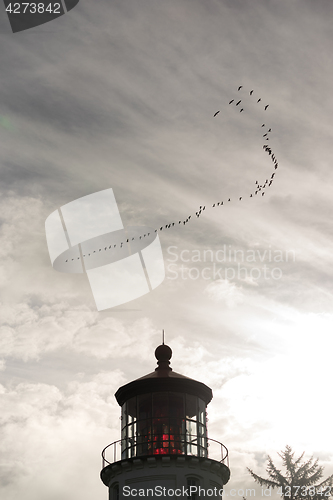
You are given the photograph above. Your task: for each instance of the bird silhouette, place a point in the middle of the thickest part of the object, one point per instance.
(259, 187)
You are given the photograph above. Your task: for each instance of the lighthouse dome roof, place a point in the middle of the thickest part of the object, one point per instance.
(163, 379)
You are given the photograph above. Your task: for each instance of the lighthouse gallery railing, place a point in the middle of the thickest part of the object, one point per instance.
(133, 448)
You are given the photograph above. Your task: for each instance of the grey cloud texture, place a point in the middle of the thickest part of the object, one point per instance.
(121, 95)
(40, 423)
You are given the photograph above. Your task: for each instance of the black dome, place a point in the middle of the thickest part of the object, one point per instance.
(163, 379)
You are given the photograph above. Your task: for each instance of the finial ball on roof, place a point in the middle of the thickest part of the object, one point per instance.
(163, 353)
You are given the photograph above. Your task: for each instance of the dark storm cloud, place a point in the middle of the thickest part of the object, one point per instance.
(141, 83)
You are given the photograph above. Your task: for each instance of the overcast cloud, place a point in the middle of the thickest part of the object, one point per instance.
(121, 94)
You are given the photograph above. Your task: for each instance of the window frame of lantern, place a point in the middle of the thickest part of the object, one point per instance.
(188, 424)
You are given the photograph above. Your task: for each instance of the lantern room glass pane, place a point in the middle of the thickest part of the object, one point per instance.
(160, 426)
(160, 435)
(160, 404)
(144, 406)
(176, 405)
(177, 427)
(202, 411)
(144, 428)
(201, 430)
(191, 430)
(131, 410)
(144, 437)
(177, 436)
(192, 449)
(131, 433)
(191, 407)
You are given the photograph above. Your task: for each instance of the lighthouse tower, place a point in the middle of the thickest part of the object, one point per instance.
(164, 450)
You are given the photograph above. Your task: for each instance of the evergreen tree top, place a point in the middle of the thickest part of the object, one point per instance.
(300, 480)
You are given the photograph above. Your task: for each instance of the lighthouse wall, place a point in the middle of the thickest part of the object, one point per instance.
(159, 477)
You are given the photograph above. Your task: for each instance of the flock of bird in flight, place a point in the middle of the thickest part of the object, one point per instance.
(259, 188)
(237, 103)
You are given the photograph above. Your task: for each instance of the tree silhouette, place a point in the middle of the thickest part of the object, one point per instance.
(300, 481)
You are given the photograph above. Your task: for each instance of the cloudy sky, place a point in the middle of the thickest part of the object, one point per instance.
(121, 94)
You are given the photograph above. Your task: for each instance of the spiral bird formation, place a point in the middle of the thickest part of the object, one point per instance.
(259, 187)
